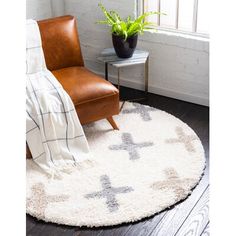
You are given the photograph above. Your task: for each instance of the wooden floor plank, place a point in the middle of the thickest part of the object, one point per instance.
(198, 218)
(49, 229)
(53, 230)
(87, 232)
(37, 229)
(144, 227)
(197, 117)
(119, 230)
(30, 223)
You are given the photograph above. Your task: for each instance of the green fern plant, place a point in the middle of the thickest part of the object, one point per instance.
(128, 27)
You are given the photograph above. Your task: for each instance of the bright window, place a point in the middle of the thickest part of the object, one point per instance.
(186, 16)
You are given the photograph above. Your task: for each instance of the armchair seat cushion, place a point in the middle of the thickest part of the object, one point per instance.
(94, 97)
(84, 86)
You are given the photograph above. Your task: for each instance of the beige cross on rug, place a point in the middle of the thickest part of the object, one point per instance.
(183, 138)
(172, 182)
(39, 199)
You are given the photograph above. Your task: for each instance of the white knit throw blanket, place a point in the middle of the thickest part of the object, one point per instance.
(53, 132)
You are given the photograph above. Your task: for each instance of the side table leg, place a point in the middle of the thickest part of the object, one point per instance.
(118, 76)
(106, 70)
(146, 76)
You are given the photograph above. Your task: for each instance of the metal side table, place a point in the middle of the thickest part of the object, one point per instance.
(109, 57)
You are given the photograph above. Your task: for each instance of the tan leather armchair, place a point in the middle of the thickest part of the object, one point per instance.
(94, 97)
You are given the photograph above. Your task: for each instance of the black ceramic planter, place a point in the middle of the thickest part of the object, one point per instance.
(124, 48)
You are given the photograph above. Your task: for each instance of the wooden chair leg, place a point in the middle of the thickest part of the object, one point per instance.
(112, 122)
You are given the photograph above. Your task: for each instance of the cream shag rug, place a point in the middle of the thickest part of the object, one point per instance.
(151, 163)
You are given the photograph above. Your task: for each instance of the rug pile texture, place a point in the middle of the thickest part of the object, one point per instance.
(151, 163)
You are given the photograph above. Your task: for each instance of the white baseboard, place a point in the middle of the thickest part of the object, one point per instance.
(160, 91)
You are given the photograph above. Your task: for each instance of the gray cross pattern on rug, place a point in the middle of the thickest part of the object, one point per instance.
(173, 182)
(129, 146)
(109, 193)
(40, 200)
(142, 110)
(183, 138)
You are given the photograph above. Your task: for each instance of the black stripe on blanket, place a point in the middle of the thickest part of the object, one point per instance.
(65, 139)
(41, 117)
(67, 124)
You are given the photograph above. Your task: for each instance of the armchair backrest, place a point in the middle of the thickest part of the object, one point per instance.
(60, 42)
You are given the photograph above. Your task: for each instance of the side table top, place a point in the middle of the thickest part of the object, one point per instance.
(109, 56)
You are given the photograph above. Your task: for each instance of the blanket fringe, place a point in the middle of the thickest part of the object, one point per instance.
(57, 172)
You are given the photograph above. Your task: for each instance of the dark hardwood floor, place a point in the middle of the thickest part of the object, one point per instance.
(190, 217)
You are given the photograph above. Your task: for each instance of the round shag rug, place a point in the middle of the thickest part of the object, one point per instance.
(151, 163)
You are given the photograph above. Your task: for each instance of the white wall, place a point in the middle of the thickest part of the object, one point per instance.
(179, 65)
(42, 9)
(58, 8)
